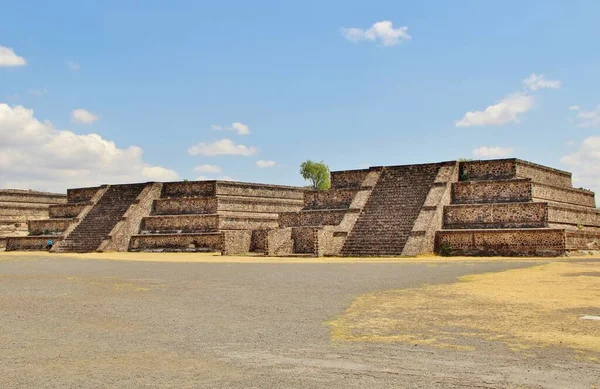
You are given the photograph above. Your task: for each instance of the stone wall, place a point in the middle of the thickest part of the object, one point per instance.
(499, 169)
(180, 223)
(566, 214)
(236, 242)
(330, 199)
(182, 206)
(582, 240)
(515, 242)
(488, 169)
(312, 218)
(348, 178)
(279, 242)
(48, 226)
(30, 196)
(543, 174)
(81, 195)
(22, 212)
(581, 197)
(258, 242)
(248, 222)
(501, 215)
(305, 240)
(65, 211)
(258, 190)
(30, 243)
(257, 204)
(498, 191)
(177, 242)
(188, 189)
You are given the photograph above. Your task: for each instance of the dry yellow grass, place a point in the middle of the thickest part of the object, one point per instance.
(533, 307)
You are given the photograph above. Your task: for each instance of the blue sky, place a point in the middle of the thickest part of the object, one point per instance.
(328, 81)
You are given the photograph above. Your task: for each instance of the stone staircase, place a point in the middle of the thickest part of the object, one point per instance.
(387, 219)
(100, 221)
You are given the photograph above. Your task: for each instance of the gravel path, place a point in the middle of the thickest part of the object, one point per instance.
(75, 323)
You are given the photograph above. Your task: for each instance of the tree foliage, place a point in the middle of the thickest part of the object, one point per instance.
(317, 173)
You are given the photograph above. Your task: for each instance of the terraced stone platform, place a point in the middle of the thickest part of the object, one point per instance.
(225, 216)
(17, 207)
(491, 207)
(514, 207)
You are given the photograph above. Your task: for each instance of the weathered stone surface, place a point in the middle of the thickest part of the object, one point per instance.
(48, 226)
(319, 217)
(177, 242)
(495, 191)
(499, 215)
(582, 197)
(30, 243)
(511, 242)
(348, 178)
(81, 195)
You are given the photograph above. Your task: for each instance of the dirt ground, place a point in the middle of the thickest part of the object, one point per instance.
(203, 321)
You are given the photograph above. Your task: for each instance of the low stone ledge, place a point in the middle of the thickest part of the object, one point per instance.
(573, 215)
(188, 189)
(183, 223)
(57, 226)
(233, 188)
(581, 197)
(312, 218)
(506, 242)
(496, 191)
(185, 206)
(79, 195)
(6, 211)
(64, 211)
(30, 243)
(271, 205)
(207, 242)
(348, 178)
(330, 199)
(499, 215)
(582, 240)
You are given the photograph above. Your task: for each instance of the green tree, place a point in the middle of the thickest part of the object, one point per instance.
(317, 173)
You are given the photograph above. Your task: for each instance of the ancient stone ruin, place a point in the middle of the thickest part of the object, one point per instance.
(19, 207)
(496, 207)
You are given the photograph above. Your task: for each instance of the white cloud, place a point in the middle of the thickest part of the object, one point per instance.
(492, 152)
(589, 118)
(264, 164)
(383, 31)
(203, 178)
(208, 169)
(574, 108)
(81, 116)
(73, 65)
(239, 128)
(226, 178)
(35, 155)
(505, 111)
(222, 147)
(538, 81)
(8, 58)
(585, 163)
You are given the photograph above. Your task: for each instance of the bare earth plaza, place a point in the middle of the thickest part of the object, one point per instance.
(472, 274)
